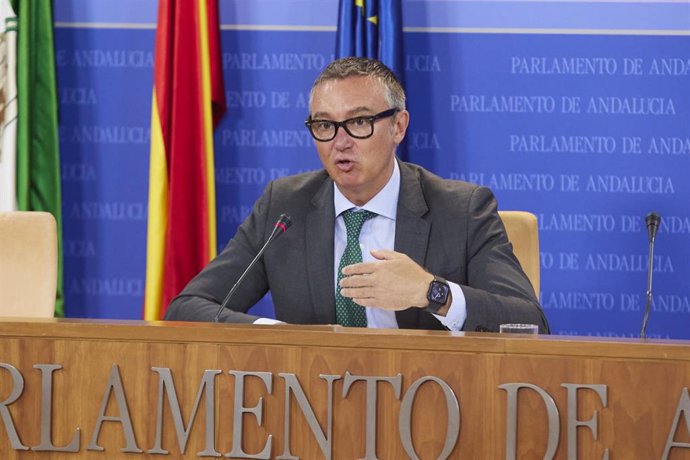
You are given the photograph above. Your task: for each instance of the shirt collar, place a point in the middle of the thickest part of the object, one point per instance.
(384, 203)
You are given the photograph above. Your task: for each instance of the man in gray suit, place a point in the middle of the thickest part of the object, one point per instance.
(375, 242)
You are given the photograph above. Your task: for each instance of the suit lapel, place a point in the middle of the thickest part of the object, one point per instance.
(411, 238)
(319, 237)
(411, 230)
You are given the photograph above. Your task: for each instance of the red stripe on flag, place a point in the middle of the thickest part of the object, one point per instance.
(216, 63)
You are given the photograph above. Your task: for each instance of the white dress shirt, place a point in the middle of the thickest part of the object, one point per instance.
(379, 233)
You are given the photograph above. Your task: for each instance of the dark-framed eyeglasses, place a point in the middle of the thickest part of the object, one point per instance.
(357, 127)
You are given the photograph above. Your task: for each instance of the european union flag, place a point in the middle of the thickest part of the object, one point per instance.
(371, 28)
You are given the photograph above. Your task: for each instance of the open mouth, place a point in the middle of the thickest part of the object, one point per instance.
(344, 165)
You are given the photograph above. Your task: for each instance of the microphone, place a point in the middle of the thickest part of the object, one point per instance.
(280, 227)
(653, 221)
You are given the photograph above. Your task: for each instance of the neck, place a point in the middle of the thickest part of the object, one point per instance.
(363, 197)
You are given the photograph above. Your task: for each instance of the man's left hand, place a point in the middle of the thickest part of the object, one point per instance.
(393, 282)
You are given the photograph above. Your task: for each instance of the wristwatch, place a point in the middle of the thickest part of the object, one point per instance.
(437, 295)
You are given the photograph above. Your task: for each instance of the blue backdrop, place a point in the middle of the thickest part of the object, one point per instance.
(577, 111)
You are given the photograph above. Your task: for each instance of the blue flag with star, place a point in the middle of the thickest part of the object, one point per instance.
(373, 29)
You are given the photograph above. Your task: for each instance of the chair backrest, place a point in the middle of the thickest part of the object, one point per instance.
(523, 233)
(28, 264)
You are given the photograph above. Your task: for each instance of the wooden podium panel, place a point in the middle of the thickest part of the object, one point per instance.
(572, 397)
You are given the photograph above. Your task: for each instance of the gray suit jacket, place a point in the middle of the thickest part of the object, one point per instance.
(451, 228)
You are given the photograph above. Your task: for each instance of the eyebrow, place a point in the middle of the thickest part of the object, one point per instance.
(357, 111)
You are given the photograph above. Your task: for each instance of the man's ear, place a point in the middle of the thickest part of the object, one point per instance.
(402, 121)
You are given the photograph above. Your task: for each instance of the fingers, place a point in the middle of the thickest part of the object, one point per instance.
(365, 301)
(356, 281)
(370, 267)
(385, 254)
(359, 293)
(392, 282)
(364, 296)
(360, 288)
(360, 269)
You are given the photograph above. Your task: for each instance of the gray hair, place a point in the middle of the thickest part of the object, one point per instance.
(360, 66)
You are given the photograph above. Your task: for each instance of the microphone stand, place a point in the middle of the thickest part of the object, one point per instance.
(653, 220)
(280, 227)
(648, 303)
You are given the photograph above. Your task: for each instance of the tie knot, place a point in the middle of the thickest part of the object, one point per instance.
(355, 219)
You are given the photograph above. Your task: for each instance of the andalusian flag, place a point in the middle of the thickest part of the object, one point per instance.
(188, 100)
(8, 107)
(36, 160)
(373, 29)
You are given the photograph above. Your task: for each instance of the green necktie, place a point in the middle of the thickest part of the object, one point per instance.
(347, 312)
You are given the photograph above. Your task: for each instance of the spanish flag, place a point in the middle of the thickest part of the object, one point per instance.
(188, 101)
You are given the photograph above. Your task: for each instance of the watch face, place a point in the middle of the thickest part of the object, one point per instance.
(439, 292)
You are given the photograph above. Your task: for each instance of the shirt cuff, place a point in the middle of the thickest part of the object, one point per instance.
(267, 321)
(457, 313)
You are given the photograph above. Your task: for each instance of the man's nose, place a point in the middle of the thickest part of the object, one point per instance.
(342, 139)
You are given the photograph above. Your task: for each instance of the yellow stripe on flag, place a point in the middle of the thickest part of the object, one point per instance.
(158, 218)
(208, 129)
